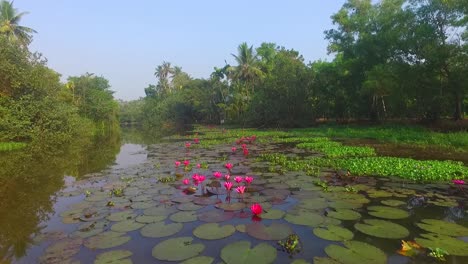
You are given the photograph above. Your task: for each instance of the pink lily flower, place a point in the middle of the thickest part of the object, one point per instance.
(186, 181)
(238, 179)
(177, 163)
(458, 182)
(256, 209)
(201, 178)
(228, 166)
(196, 140)
(217, 174)
(233, 149)
(186, 163)
(198, 165)
(227, 177)
(228, 186)
(240, 189)
(248, 179)
(187, 144)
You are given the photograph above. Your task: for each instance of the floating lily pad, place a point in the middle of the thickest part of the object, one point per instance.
(387, 212)
(182, 199)
(393, 203)
(231, 206)
(213, 231)
(206, 201)
(333, 233)
(184, 217)
(62, 250)
(313, 204)
(330, 221)
(304, 218)
(189, 207)
(452, 245)
(240, 252)
(256, 199)
(344, 205)
(148, 219)
(378, 193)
(321, 260)
(241, 228)
(121, 216)
(114, 257)
(160, 210)
(177, 249)
(161, 229)
(444, 202)
(356, 252)
(89, 229)
(141, 205)
(344, 214)
(126, 226)
(275, 231)
(273, 214)
(442, 227)
(107, 239)
(199, 260)
(382, 229)
(215, 216)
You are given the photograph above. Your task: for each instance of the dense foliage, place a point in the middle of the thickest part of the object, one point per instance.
(392, 60)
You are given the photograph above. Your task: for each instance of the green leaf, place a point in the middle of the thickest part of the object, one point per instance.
(442, 227)
(452, 245)
(382, 229)
(240, 252)
(126, 226)
(387, 212)
(213, 231)
(275, 231)
(333, 233)
(355, 252)
(177, 249)
(114, 257)
(344, 214)
(107, 239)
(160, 229)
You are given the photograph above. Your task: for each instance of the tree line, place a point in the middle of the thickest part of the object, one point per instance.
(34, 104)
(394, 59)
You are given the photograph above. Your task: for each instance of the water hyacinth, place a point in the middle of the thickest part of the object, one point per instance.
(217, 174)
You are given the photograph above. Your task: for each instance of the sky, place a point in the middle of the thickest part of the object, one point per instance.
(124, 41)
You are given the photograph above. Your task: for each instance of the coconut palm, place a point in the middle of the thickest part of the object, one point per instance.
(162, 73)
(247, 70)
(9, 24)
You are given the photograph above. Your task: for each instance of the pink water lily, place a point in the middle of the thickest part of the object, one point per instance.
(458, 182)
(186, 163)
(201, 178)
(233, 149)
(246, 152)
(228, 166)
(186, 181)
(227, 177)
(256, 209)
(198, 165)
(177, 163)
(196, 140)
(238, 179)
(196, 177)
(187, 144)
(240, 189)
(217, 174)
(228, 186)
(248, 179)
(244, 146)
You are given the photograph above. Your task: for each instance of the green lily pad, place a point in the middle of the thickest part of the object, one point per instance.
(148, 219)
(206, 201)
(121, 216)
(213, 231)
(240, 252)
(90, 229)
(330, 221)
(356, 252)
(387, 212)
(107, 239)
(382, 229)
(177, 249)
(444, 203)
(182, 199)
(184, 217)
(333, 233)
(199, 260)
(62, 250)
(344, 205)
(241, 228)
(114, 257)
(304, 218)
(313, 204)
(442, 227)
(231, 206)
(378, 193)
(344, 214)
(393, 203)
(275, 231)
(321, 260)
(273, 214)
(126, 226)
(452, 245)
(141, 205)
(160, 210)
(189, 207)
(161, 229)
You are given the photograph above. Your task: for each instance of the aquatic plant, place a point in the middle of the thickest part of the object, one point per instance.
(438, 253)
(256, 209)
(233, 149)
(228, 166)
(291, 244)
(240, 189)
(248, 180)
(228, 186)
(238, 179)
(186, 181)
(458, 182)
(217, 174)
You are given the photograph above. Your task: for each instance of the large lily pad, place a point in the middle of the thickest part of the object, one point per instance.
(313, 204)
(114, 257)
(304, 218)
(199, 260)
(107, 239)
(90, 229)
(344, 205)
(275, 231)
(177, 249)
(442, 227)
(206, 201)
(273, 214)
(240, 252)
(452, 245)
(393, 203)
(344, 214)
(184, 217)
(126, 226)
(121, 216)
(213, 231)
(160, 210)
(356, 252)
(333, 233)
(161, 229)
(182, 199)
(382, 229)
(62, 250)
(231, 206)
(387, 212)
(189, 207)
(148, 219)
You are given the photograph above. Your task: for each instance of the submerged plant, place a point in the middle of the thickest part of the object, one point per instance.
(291, 245)
(438, 253)
(87, 193)
(117, 192)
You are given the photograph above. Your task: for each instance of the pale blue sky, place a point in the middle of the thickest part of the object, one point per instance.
(125, 40)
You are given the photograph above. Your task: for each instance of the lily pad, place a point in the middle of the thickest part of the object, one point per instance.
(107, 239)
(393, 203)
(344, 214)
(387, 212)
(273, 214)
(126, 226)
(199, 260)
(148, 219)
(330, 221)
(321, 260)
(333, 233)
(206, 201)
(177, 249)
(121, 216)
(62, 250)
(231, 206)
(240, 252)
(382, 229)
(452, 245)
(114, 257)
(184, 217)
(90, 229)
(182, 199)
(213, 231)
(304, 218)
(161, 229)
(356, 252)
(344, 205)
(313, 204)
(141, 205)
(275, 231)
(189, 207)
(442, 227)
(241, 228)
(160, 210)
(215, 216)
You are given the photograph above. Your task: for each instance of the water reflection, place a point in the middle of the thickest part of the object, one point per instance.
(30, 177)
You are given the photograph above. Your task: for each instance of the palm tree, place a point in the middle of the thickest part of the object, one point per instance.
(9, 24)
(162, 73)
(247, 70)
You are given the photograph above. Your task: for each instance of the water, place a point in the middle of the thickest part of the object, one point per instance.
(37, 187)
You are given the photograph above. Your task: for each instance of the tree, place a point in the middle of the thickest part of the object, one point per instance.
(163, 72)
(247, 70)
(9, 24)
